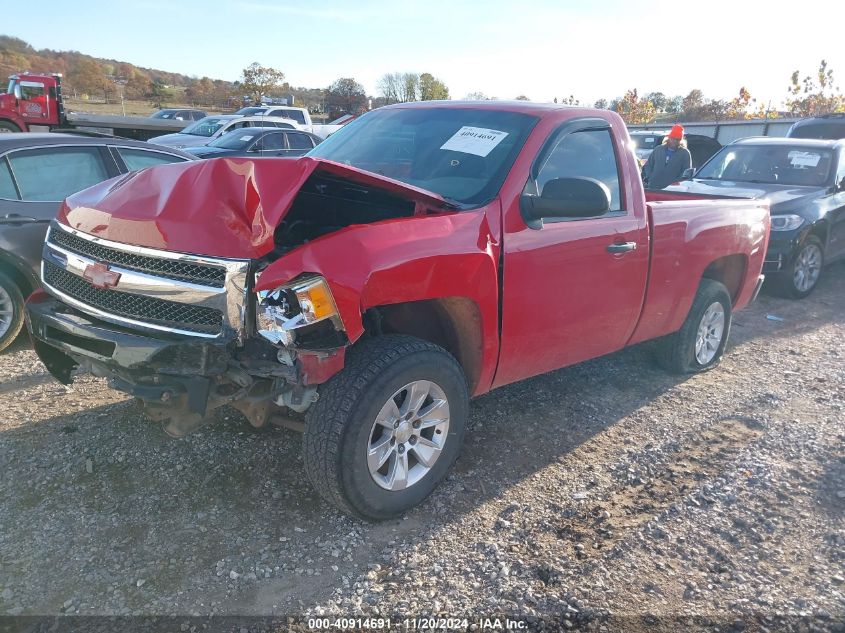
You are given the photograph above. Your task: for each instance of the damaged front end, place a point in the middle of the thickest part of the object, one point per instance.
(183, 334)
(188, 333)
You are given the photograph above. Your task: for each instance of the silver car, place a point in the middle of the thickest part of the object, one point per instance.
(212, 127)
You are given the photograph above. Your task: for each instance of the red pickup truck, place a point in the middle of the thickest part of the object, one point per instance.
(424, 254)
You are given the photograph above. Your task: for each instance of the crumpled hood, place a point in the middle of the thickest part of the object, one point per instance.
(223, 207)
(779, 196)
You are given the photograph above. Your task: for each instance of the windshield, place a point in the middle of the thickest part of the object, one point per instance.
(11, 89)
(236, 139)
(772, 164)
(833, 130)
(164, 114)
(250, 110)
(463, 154)
(205, 127)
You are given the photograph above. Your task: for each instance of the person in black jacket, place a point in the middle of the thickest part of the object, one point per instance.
(668, 162)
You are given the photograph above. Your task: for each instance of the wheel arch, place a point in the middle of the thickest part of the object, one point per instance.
(821, 230)
(729, 271)
(18, 124)
(19, 273)
(453, 323)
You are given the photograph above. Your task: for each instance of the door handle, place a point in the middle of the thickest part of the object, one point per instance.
(621, 247)
(14, 218)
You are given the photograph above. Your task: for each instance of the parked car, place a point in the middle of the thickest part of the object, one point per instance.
(37, 171)
(300, 115)
(701, 147)
(213, 127)
(179, 115)
(825, 126)
(375, 286)
(804, 180)
(258, 141)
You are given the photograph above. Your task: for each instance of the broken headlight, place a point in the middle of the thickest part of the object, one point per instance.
(300, 303)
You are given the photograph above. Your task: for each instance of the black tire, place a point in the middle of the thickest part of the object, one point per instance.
(338, 426)
(784, 283)
(8, 288)
(8, 126)
(676, 353)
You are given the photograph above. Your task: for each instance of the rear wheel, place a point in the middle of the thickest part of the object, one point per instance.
(8, 126)
(806, 270)
(11, 311)
(700, 343)
(387, 428)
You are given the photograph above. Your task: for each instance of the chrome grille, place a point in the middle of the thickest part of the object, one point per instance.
(187, 317)
(160, 267)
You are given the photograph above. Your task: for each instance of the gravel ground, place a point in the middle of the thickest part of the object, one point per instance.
(606, 496)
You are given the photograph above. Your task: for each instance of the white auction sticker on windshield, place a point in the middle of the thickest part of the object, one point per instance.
(474, 140)
(804, 159)
(246, 138)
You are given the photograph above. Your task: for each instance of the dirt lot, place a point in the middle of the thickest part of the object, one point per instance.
(607, 496)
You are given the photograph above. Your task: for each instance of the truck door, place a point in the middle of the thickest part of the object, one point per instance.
(573, 288)
(34, 106)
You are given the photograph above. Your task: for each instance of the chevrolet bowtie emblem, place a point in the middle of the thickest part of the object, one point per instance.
(100, 276)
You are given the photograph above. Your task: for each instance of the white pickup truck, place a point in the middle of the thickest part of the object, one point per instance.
(300, 115)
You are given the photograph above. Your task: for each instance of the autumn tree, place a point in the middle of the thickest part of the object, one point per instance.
(601, 104)
(259, 81)
(137, 85)
(432, 89)
(693, 105)
(345, 96)
(814, 95)
(739, 106)
(405, 87)
(633, 109)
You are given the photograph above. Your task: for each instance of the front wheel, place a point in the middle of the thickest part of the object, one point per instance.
(387, 428)
(8, 126)
(700, 343)
(806, 270)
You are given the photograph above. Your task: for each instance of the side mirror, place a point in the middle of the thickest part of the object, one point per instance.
(688, 173)
(566, 198)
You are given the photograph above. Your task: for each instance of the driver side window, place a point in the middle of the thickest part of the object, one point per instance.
(583, 154)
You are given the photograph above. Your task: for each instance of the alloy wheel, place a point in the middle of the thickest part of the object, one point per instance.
(408, 435)
(711, 329)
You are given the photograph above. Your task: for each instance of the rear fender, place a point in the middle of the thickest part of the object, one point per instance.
(405, 260)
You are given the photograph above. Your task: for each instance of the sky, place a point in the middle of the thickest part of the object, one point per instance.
(539, 48)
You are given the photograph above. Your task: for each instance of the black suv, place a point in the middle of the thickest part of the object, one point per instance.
(826, 126)
(37, 172)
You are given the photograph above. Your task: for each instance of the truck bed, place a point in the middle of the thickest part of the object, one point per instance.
(686, 231)
(137, 127)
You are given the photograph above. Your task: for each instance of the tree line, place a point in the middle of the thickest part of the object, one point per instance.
(111, 80)
(808, 96)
